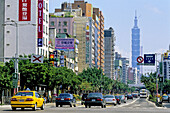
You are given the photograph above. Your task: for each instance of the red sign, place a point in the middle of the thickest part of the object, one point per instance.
(40, 18)
(140, 59)
(24, 10)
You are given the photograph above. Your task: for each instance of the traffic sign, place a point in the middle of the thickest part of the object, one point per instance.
(149, 59)
(140, 59)
(37, 59)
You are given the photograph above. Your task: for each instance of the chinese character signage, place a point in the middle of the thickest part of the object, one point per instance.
(149, 59)
(87, 42)
(64, 43)
(24, 10)
(40, 21)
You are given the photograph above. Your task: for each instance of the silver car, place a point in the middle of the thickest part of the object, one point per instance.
(110, 99)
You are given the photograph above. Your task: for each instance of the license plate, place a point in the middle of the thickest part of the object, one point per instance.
(93, 100)
(62, 99)
(21, 100)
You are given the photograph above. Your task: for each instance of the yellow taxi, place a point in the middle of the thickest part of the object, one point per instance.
(27, 99)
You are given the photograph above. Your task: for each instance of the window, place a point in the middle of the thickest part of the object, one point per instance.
(44, 4)
(65, 23)
(59, 24)
(59, 30)
(65, 30)
(8, 5)
(7, 44)
(43, 16)
(46, 42)
(8, 31)
(78, 5)
(46, 18)
(47, 6)
(44, 28)
(52, 23)
(8, 18)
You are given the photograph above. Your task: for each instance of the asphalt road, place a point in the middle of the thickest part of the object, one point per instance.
(131, 106)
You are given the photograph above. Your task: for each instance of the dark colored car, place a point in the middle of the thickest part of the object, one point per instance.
(65, 99)
(135, 95)
(122, 98)
(118, 99)
(84, 96)
(129, 97)
(95, 99)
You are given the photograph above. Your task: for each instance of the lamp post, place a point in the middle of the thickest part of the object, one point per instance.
(157, 75)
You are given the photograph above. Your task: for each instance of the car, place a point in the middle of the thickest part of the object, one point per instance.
(65, 99)
(122, 98)
(118, 99)
(165, 98)
(95, 99)
(110, 99)
(135, 95)
(27, 99)
(84, 96)
(129, 96)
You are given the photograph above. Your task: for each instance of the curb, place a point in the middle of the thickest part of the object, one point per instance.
(5, 106)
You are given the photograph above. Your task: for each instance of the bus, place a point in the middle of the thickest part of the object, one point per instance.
(143, 93)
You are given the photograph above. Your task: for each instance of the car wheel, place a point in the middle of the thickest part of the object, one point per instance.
(42, 107)
(74, 105)
(22, 109)
(71, 105)
(61, 105)
(56, 105)
(114, 104)
(89, 106)
(13, 109)
(35, 107)
(105, 106)
(124, 101)
(81, 103)
(85, 106)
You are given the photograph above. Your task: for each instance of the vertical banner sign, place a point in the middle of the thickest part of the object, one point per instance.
(87, 42)
(40, 23)
(24, 10)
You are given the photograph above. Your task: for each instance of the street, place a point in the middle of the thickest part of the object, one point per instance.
(139, 105)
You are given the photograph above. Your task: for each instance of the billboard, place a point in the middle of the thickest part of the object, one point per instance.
(87, 42)
(40, 22)
(167, 56)
(64, 43)
(24, 10)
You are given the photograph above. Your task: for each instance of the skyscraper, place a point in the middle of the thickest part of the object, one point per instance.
(135, 43)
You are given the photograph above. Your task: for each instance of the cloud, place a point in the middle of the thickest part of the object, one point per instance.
(154, 9)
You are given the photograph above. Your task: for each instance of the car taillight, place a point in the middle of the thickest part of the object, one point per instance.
(99, 99)
(113, 99)
(118, 99)
(87, 99)
(67, 99)
(13, 99)
(58, 98)
(124, 98)
(29, 99)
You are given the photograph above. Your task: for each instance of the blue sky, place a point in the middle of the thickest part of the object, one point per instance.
(153, 21)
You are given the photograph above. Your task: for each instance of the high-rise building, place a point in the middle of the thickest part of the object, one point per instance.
(2, 20)
(109, 42)
(31, 19)
(135, 43)
(166, 65)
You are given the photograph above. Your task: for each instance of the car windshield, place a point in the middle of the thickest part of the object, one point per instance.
(24, 94)
(64, 95)
(109, 96)
(165, 96)
(95, 95)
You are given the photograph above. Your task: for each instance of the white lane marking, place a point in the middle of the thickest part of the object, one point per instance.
(129, 103)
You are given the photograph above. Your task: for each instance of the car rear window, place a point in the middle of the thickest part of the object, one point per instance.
(95, 95)
(24, 94)
(64, 95)
(109, 96)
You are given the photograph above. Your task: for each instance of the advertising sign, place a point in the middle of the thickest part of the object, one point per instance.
(167, 56)
(149, 59)
(24, 10)
(40, 21)
(87, 42)
(64, 43)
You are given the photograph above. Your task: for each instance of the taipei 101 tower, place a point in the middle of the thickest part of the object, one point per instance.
(135, 43)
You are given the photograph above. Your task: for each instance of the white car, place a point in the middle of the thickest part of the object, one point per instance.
(110, 99)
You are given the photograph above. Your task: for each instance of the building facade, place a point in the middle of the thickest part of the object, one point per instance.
(109, 42)
(28, 28)
(135, 44)
(166, 65)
